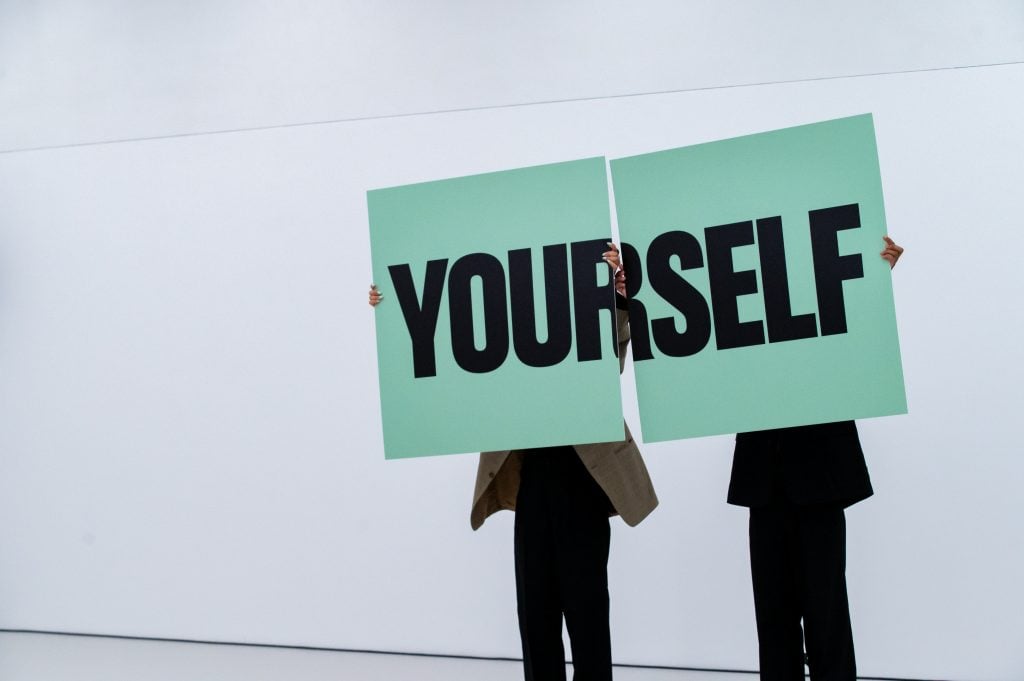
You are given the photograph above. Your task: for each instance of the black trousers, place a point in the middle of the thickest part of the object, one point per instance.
(798, 564)
(561, 555)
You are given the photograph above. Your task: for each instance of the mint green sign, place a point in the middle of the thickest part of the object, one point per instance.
(758, 296)
(496, 330)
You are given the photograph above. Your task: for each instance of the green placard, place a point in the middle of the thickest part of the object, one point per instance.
(468, 267)
(755, 262)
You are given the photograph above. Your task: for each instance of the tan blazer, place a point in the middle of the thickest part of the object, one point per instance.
(616, 466)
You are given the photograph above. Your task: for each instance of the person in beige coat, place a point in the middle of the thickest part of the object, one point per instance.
(563, 497)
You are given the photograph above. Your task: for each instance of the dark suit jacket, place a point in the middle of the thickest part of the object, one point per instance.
(815, 464)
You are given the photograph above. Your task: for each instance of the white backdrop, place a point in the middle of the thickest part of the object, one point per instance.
(189, 425)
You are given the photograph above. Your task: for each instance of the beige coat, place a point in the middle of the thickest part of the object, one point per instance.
(616, 466)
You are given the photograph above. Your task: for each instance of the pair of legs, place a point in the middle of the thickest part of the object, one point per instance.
(798, 564)
(561, 556)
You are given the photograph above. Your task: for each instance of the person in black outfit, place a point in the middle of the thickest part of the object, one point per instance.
(797, 483)
(562, 497)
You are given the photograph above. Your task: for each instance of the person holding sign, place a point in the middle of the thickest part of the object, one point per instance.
(563, 497)
(797, 483)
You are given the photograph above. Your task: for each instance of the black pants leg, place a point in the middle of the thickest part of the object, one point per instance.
(583, 544)
(827, 631)
(561, 547)
(776, 581)
(798, 565)
(537, 592)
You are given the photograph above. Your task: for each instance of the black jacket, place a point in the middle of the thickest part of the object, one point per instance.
(815, 464)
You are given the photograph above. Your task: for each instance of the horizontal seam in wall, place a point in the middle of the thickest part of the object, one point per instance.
(495, 107)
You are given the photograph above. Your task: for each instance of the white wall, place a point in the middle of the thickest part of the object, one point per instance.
(189, 426)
